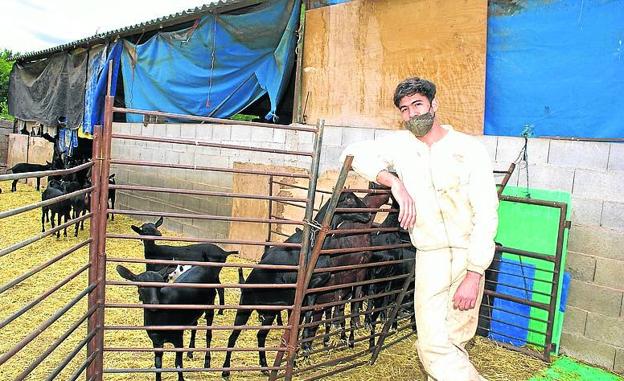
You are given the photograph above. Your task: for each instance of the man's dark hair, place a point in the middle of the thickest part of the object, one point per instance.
(414, 85)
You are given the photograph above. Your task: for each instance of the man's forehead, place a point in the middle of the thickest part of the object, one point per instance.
(409, 99)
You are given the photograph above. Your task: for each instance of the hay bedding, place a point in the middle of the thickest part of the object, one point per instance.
(400, 362)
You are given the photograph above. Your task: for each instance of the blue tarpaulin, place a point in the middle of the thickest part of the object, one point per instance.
(97, 81)
(215, 68)
(558, 66)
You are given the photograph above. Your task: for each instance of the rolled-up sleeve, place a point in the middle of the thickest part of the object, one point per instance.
(369, 157)
(484, 201)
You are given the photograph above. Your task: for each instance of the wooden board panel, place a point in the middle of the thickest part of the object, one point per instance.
(18, 149)
(39, 151)
(355, 54)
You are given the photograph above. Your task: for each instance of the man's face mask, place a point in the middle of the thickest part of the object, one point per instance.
(419, 125)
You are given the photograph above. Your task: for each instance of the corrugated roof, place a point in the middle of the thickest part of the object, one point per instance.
(220, 6)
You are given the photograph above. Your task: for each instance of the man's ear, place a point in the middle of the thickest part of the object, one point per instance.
(434, 105)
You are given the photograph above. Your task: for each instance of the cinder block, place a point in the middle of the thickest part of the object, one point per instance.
(261, 134)
(330, 158)
(188, 131)
(135, 129)
(508, 149)
(332, 137)
(173, 130)
(160, 130)
(594, 298)
(241, 133)
(605, 329)
(619, 361)
(613, 215)
(221, 132)
(608, 186)
(147, 130)
(581, 267)
(381, 133)
(490, 142)
(547, 177)
(187, 158)
(588, 350)
(354, 135)
(279, 136)
(586, 211)
(203, 132)
(589, 155)
(513, 180)
(172, 157)
(538, 150)
(596, 241)
(609, 273)
(304, 137)
(574, 321)
(616, 157)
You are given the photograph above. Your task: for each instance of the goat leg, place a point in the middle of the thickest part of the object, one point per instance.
(266, 320)
(221, 293)
(209, 319)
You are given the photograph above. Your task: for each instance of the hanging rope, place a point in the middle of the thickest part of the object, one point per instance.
(523, 156)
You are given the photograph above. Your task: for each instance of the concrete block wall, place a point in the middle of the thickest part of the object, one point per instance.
(6, 127)
(195, 156)
(592, 172)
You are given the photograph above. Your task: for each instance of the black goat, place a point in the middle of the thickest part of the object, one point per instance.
(282, 297)
(58, 209)
(175, 295)
(28, 167)
(197, 252)
(111, 195)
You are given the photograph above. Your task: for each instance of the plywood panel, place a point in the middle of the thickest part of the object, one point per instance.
(355, 54)
(18, 149)
(39, 151)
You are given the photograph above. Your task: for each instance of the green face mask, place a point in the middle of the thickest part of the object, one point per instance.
(419, 125)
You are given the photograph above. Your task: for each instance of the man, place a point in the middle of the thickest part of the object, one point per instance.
(447, 197)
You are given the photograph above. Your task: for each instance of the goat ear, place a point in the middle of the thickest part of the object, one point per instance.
(125, 273)
(159, 222)
(111, 176)
(136, 229)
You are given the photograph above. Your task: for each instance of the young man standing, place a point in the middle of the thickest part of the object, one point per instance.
(447, 197)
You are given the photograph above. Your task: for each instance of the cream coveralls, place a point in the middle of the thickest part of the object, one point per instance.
(452, 185)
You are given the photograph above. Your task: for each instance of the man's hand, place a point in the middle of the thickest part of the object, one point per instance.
(407, 208)
(465, 297)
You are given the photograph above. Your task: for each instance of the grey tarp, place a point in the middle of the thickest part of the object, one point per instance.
(46, 89)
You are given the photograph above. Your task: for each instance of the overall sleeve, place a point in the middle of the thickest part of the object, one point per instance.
(370, 157)
(484, 201)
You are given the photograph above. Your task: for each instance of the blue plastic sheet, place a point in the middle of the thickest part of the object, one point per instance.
(558, 66)
(97, 81)
(514, 279)
(215, 68)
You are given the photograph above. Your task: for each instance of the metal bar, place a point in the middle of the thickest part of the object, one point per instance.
(384, 190)
(516, 313)
(295, 205)
(297, 110)
(19, 245)
(81, 368)
(202, 285)
(299, 187)
(511, 324)
(506, 178)
(387, 345)
(527, 291)
(100, 291)
(51, 201)
(55, 345)
(359, 339)
(204, 216)
(555, 287)
(331, 362)
(534, 201)
(530, 254)
(531, 303)
(191, 370)
(345, 301)
(211, 349)
(205, 193)
(202, 240)
(207, 264)
(58, 314)
(367, 248)
(522, 266)
(354, 284)
(262, 307)
(204, 168)
(195, 327)
(278, 233)
(524, 277)
(92, 349)
(511, 337)
(270, 211)
(200, 143)
(524, 350)
(212, 120)
(357, 210)
(393, 315)
(362, 266)
(343, 317)
(43, 296)
(364, 230)
(55, 172)
(37, 269)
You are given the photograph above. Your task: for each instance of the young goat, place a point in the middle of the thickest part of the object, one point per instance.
(175, 295)
(27, 167)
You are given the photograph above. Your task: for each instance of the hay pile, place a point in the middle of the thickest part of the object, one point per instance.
(400, 362)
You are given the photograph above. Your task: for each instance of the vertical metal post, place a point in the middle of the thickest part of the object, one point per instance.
(552, 308)
(92, 371)
(102, 222)
(297, 111)
(290, 336)
(270, 207)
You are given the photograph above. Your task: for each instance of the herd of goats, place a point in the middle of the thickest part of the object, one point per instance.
(365, 298)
